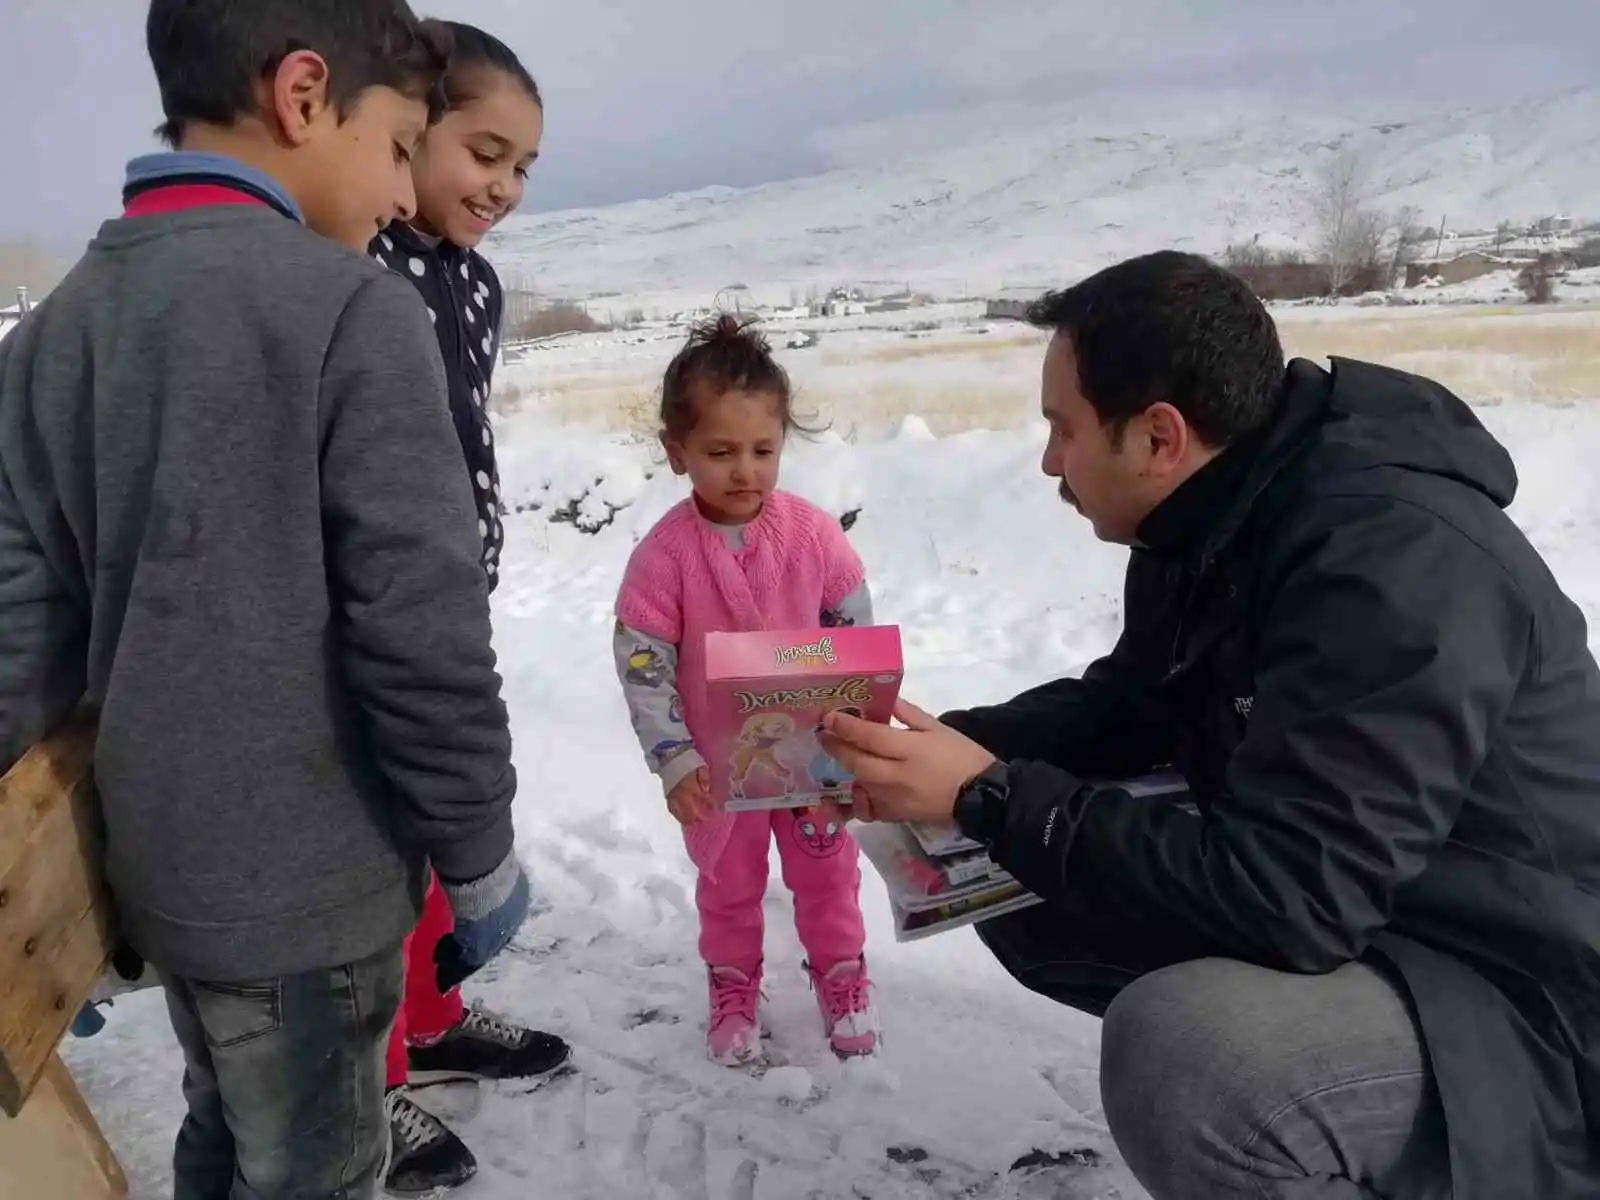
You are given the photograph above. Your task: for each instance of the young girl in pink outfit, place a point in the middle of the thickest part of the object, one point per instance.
(737, 555)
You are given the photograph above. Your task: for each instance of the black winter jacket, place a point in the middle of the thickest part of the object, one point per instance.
(1389, 717)
(465, 304)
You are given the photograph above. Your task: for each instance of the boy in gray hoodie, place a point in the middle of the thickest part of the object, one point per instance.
(233, 520)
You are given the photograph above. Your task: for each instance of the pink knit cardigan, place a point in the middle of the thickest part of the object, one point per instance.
(683, 581)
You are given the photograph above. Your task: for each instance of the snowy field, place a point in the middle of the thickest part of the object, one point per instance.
(997, 586)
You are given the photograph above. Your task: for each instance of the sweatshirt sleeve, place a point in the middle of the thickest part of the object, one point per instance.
(647, 668)
(43, 635)
(854, 609)
(410, 599)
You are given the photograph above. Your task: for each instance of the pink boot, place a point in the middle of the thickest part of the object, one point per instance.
(733, 1034)
(848, 1018)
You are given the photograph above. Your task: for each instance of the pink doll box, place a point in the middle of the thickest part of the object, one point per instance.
(765, 696)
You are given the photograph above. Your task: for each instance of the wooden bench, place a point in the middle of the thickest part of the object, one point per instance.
(55, 942)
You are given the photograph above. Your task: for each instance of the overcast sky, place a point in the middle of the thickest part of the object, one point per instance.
(650, 96)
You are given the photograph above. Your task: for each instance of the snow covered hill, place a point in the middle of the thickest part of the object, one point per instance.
(996, 197)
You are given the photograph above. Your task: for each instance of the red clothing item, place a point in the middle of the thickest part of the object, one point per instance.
(426, 1012)
(175, 197)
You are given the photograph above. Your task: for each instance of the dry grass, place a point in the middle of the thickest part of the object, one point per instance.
(617, 401)
(913, 351)
(1485, 355)
(955, 383)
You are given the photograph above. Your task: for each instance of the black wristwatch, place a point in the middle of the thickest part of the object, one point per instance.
(980, 810)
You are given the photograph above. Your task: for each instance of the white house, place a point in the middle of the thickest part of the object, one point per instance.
(11, 317)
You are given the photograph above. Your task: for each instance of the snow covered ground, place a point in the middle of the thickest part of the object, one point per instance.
(997, 586)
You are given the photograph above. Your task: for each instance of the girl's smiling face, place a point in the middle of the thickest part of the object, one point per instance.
(473, 164)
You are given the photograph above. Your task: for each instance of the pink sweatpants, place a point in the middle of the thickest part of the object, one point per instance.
(425, 1012)
(821, 866)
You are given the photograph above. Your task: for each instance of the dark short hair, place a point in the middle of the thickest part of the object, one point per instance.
(208, 55)
(721, 354)
(472, 52)
(1175, 327)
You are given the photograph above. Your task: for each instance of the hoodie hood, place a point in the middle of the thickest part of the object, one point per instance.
(1360, 416)
(1375, 416)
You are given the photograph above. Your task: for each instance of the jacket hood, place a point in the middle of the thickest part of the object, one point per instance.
(1376, 416)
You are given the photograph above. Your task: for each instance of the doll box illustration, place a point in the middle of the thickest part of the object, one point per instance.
(766, 693)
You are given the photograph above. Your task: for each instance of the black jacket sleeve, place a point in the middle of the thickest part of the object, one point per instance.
(1102, 725)
(1389, 652)
(412, 603)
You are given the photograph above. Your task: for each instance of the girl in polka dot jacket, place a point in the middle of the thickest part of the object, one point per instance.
(469, 174)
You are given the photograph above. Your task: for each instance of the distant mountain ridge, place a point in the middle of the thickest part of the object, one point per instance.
(988, 199)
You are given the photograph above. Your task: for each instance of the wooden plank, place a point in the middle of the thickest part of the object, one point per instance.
(55, 926)
(54, 1147)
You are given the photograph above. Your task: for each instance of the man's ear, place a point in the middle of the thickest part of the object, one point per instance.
(297, 96)
(1168, 437)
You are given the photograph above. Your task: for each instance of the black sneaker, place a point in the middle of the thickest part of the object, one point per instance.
(487, 1047)
(425, 1158)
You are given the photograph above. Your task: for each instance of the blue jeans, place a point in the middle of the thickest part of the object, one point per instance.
(284, 1080)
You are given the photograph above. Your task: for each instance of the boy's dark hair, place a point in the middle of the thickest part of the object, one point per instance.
(723, 354)
(208, 55)
(472, 53)
(1175, 327)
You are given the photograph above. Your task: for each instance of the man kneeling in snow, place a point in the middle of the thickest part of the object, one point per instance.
(1364, 957)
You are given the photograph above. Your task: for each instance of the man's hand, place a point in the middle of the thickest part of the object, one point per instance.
(690, 799)
(910, 774)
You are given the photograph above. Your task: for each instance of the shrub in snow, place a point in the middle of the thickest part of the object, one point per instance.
(587, 500)
(1537, 280)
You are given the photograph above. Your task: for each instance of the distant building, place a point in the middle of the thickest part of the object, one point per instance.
(1010, 304)
(1463, 267)
(11, 317)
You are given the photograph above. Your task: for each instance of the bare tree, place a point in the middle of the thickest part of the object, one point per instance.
(1407, 236)
(1348, 235)
(1368, 264)
(1502, 235)
(1244, 256)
